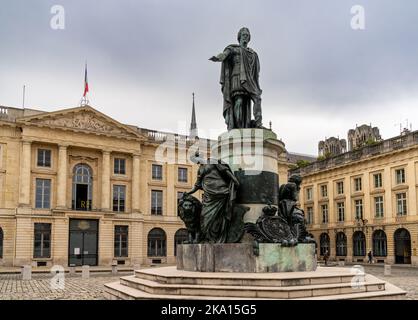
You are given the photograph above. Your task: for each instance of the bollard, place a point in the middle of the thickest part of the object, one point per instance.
(388, 270)
(27, 272)
(85, 272)
(114, 269)
(72, 269)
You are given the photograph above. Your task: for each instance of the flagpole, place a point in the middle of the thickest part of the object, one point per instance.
(84, 100)
(24, 91)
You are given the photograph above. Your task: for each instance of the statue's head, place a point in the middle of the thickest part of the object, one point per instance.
(296, 179)
(244, 36)
(197, 158)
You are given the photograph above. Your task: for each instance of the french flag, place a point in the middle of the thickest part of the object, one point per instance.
(86, 84)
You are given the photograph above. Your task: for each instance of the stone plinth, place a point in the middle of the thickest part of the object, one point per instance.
(239, 257)
(252, 155)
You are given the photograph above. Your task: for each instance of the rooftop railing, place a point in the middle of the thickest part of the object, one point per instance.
(400, 142)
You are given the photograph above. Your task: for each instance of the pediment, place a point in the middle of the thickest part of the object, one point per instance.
(82, 119)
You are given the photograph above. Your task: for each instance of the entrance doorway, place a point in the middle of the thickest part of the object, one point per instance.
(82, 187)
(83, 240)
(402, 246)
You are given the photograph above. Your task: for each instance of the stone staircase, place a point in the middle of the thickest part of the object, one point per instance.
(328, 283)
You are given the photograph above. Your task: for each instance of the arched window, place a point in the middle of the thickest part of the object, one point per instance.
(341, 244)
(359, 244)
(82, 187)
(324, 244)
(1, 243)
(179, 238)
(157, 243)
(379, 244)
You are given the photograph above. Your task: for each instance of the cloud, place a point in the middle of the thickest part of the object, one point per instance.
(319, 77)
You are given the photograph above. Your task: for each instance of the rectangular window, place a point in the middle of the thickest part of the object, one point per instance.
(121, 241)
(182, 174)
(119, 166)
(324, 210)
(378, 183)
(309, 215)
(43, 194)
(119, 197)
(401, 208)
(341, 211)
(400, 176)
(44, 158)
(309, 194)
(324, 191)
(42, 240)
(156, 202)
(358, 204)
(157, 172)
(378, 205)
(357, 184)
(340, 187)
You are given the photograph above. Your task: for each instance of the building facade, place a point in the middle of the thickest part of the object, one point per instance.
(365, 200)
(80, 188)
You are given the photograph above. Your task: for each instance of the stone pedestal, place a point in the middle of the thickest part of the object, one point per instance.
(239, 257)
(252, 155)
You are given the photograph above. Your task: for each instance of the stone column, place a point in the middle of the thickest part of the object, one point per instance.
(135, 182)
(62, 177)
(106, 181)
(25, 183)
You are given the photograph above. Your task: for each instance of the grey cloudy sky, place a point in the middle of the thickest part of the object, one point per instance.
(145, 58)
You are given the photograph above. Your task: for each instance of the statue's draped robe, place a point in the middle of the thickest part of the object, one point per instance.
(249, 69)
(217, 201)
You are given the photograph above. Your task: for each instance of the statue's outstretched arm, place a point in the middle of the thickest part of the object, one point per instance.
(197, 186)
(220, 57)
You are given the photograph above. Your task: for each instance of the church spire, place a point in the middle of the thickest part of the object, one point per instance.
(193, 125)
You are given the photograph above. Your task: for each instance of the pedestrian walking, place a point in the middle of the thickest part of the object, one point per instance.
(370, 255)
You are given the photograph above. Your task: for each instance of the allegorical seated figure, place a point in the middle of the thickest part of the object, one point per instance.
(288, 197)
(240, 85)
(221, 219)
(190, 210)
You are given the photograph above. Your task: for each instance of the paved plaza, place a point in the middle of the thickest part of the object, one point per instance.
(12, 287)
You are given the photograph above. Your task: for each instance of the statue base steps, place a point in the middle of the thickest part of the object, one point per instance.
(325, 283)
(239, 257)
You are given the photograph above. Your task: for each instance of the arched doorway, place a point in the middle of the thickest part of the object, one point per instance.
(379, 244)
(324, 244)
(359, 244)
(341, 244)
(180, 237)
(82, 187)
(402, 246)
(157, 243)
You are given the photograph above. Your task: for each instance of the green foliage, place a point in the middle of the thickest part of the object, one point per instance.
(302, 163)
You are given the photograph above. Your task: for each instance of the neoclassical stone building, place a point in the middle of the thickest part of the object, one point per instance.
(365, 200)
(77, 187)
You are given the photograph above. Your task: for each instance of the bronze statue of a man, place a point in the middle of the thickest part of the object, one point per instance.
(239, 81)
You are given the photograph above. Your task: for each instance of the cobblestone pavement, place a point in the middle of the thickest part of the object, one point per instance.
(403, 277)
(12, 287)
